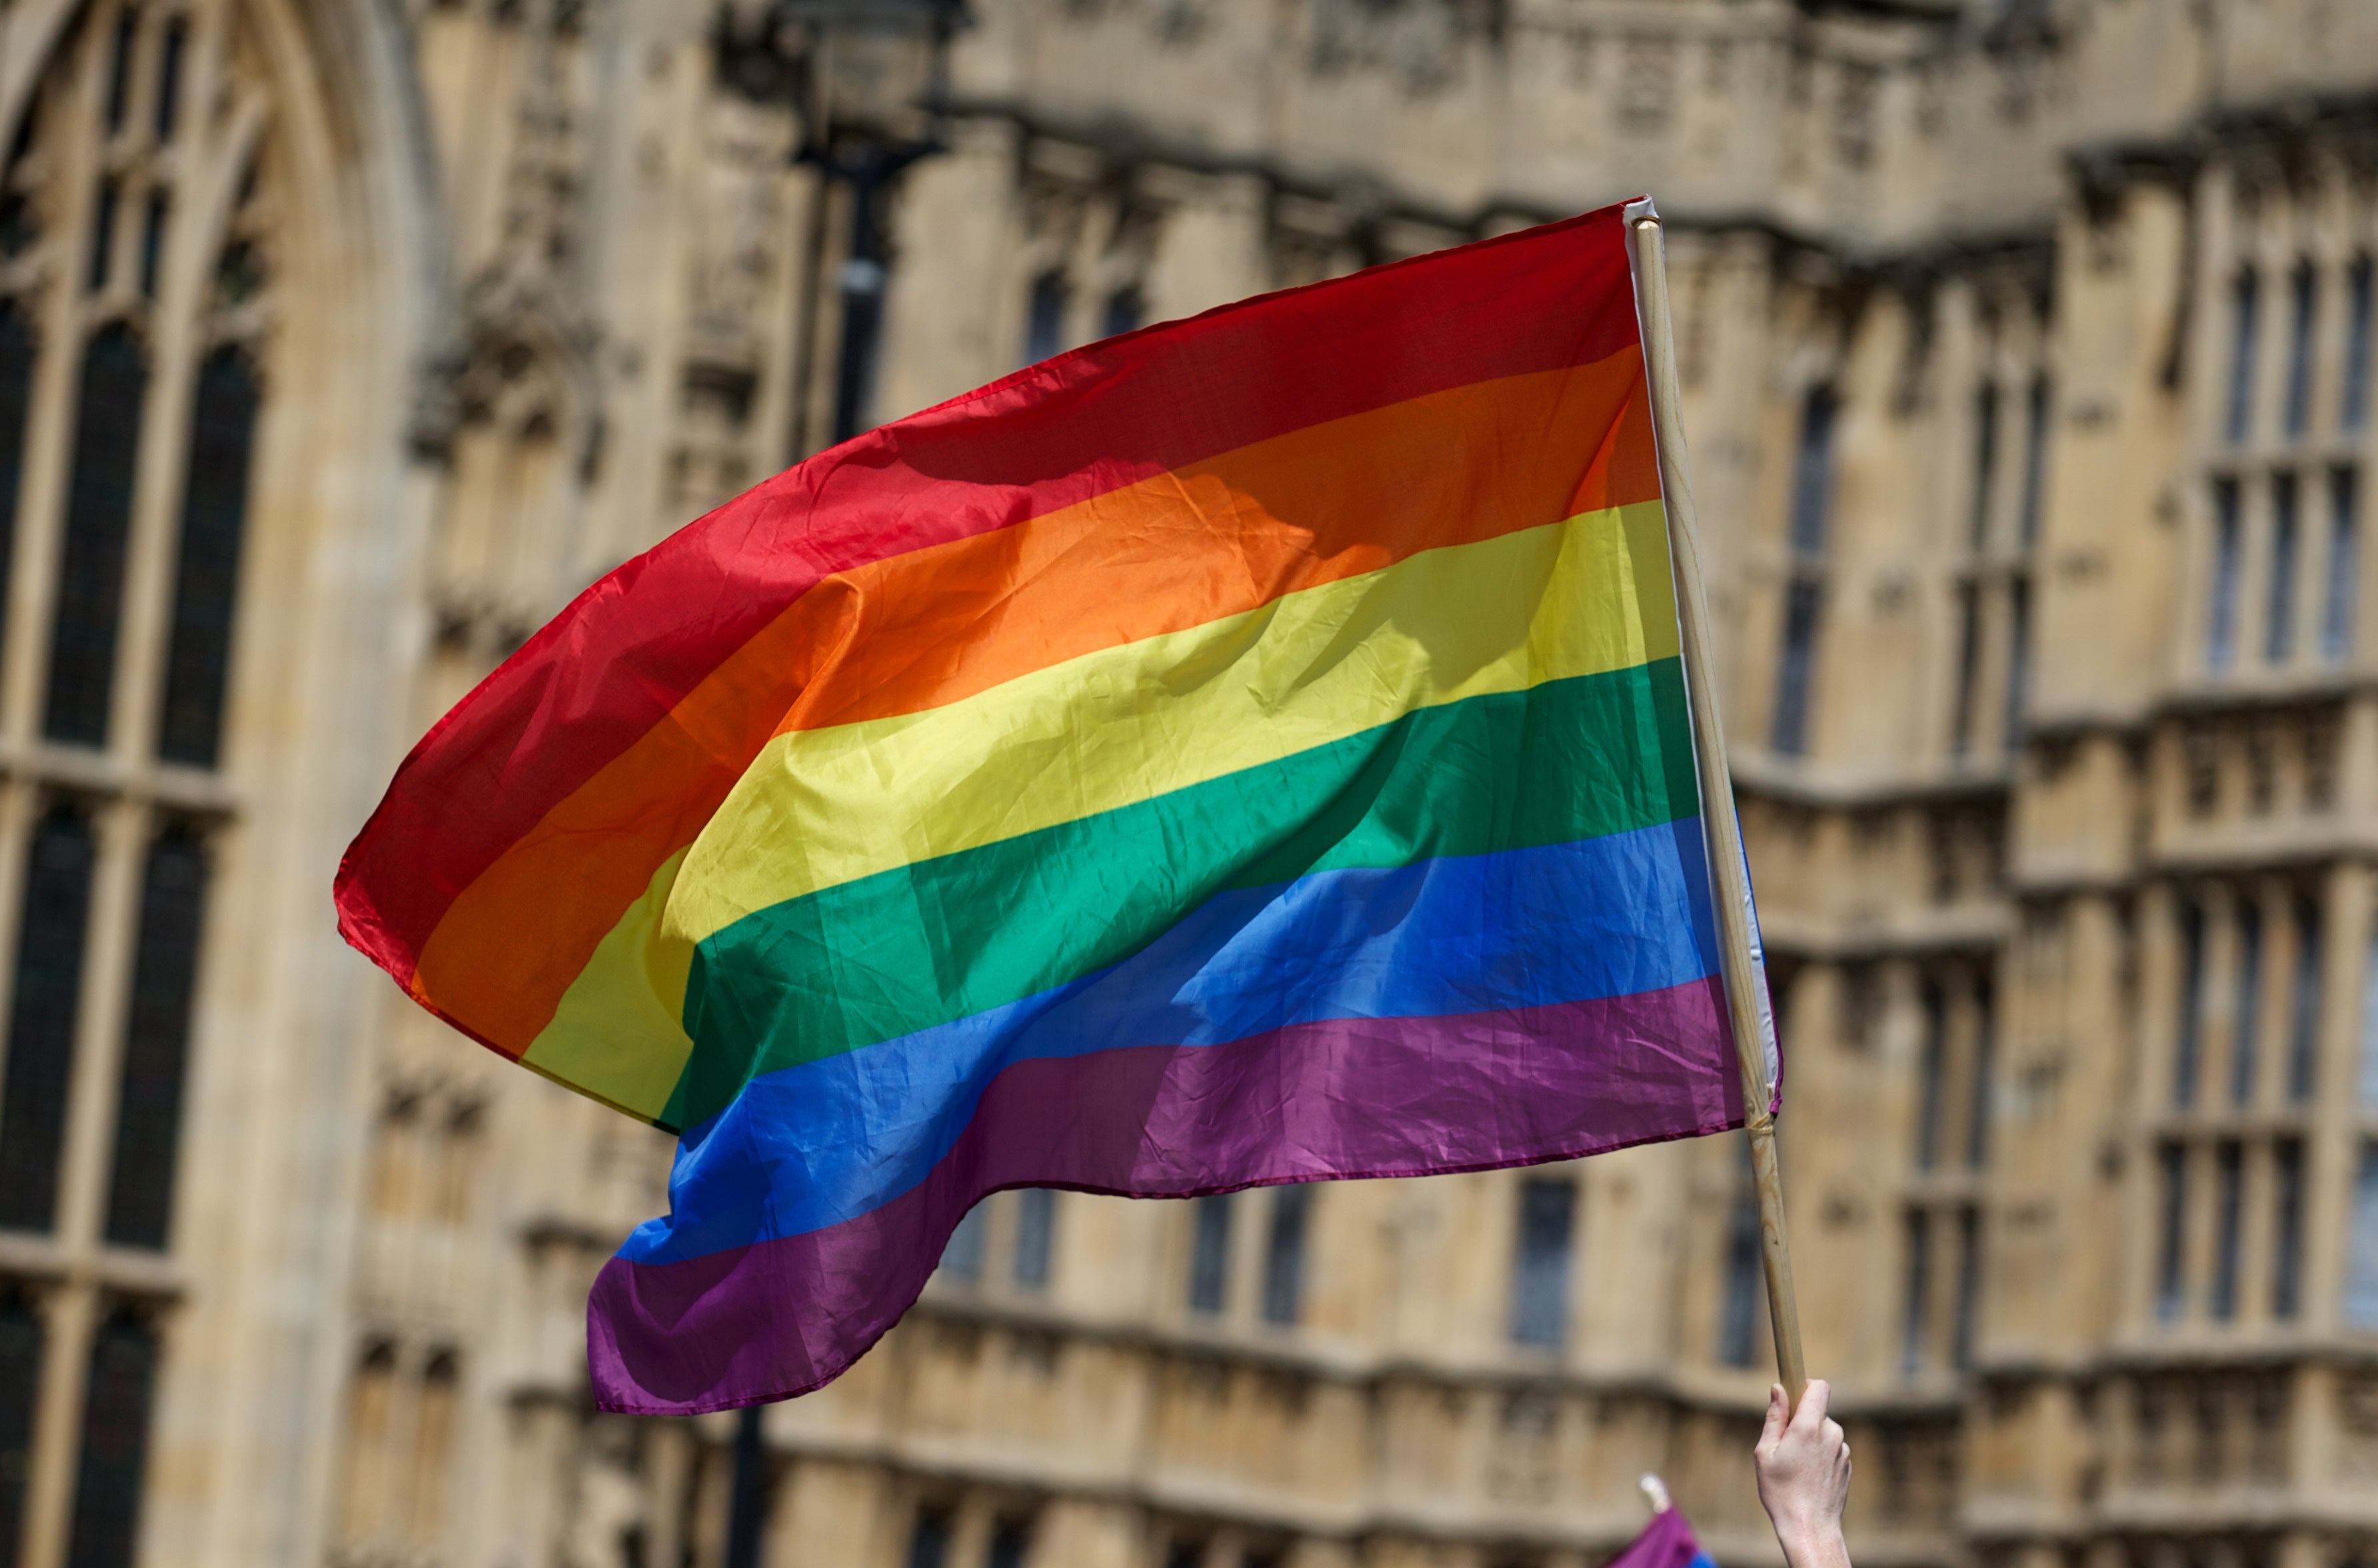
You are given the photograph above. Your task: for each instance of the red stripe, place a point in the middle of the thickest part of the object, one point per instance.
(621, 657)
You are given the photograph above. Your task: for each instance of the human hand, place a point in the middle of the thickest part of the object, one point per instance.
(1804, 1477)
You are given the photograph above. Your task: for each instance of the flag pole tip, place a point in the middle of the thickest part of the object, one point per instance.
(1655, 1493)
(1641, 208)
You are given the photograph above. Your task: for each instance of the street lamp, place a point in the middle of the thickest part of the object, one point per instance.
(868, 82)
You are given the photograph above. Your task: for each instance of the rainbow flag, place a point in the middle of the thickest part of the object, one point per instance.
(1252, 750)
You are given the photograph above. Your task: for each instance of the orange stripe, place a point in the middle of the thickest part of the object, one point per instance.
(1212, 539)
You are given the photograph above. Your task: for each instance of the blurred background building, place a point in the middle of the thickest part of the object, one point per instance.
(2027, 349)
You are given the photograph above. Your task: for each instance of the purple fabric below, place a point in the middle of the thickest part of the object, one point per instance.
(1342, 1098)
(1666, 1542)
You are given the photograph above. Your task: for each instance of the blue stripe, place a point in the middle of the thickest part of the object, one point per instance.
(815, 1145)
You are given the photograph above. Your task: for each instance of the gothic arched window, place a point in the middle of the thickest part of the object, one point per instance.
(138, 194)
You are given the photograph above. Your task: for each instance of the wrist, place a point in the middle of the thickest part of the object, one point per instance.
(1814, 1545)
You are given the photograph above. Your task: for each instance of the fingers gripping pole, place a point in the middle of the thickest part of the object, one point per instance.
(1729, 883)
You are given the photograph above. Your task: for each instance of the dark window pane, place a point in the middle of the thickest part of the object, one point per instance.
(206, 572)
(152, 242)
(929, 1546)
(120, 66)
(1125, 312)
(2287, 1230)
(1209, 1254)
(2245, 304)
(2354, 406)
(2338, 598)
(103, 235)
(156, 1042)
(1803, 610)
(2303, 1006)
(1969, 656)
(2191, 1045)
(863, 281)
(1036, 1235)
(1986, 463)
(98, 513)
(2303, 295)
(2279, 605)
(2221, 622)
(41, 1020)
(1540, 1263)
(114, 1443)
(2229, 1181)
(962, 1254)
(20, 1391)
(1044, 322)
(2245, 1049)
(1985, 1065)
(1915, 1330)
(1812, 475)
(1969, 1287)
(2018, 683)
(2034, 459)
(2361, 1254)
(1931, 1088)
(169, 76)
(1283, 1297)
(2171, 1271)
(1737, 1335)
(16, 346)
(1011, 1544)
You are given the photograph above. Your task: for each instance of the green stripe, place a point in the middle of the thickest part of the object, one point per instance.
(938, 940)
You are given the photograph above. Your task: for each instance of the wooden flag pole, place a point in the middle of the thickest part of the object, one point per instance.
(1729, 881)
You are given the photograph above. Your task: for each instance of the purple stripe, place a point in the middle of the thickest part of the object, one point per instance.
(1341, 1097)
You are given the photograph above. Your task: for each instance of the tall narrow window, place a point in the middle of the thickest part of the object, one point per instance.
(2035, 459)
(1044, 321)
(156, 1042)
(1737, 1335)
(1986, 463)
(16, 403)
(120, 66)
(434, 1414)
(1209, 1254)
(1283, 1295)
(1011, 1543)
(2245, 1022)
(101, 263)
(1540, 1263)
(2304, 1004)
(115, 1442)
(2190, 1047)
(2279, 597)
(2221, 618)
(2339, 597)
(1804, 599)
(2287, 1228)
(154, 214)
(1125, 313)
(1931, 1088)
(2368, 1079)
(929, 1544)
(2018, 680)
(169, 76)
(41, 1020)
(20, 1391)
(2244, 303)
(1985, 1065)
(2362, 1259)
(99, 516)
(1969, 661)
(2229, 1182)
(1969, 1287)
(2353, 403)
(1036, 1236)
(1915, 1332)
(962, 1254)
(2171, 1268)
(2303, 303)
(1804, 608)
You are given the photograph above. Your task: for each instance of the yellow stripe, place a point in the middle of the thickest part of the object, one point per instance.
(820, 807)
(616, 1035)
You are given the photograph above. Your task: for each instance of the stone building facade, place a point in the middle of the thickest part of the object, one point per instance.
(2028, 348)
